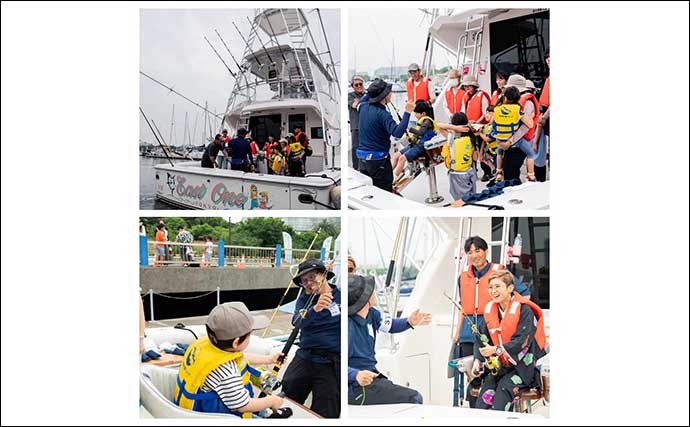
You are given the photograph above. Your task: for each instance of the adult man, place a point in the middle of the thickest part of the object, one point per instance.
(376, 125)
(316, 366)
(514, 332)
(223, 155)
(184, 236)
(367, 386)
(476, 101)
(474, 295)
(160, 247)
(242, 159)
(301, 137)
(454, 94)
(418, 86)
(352, 103)
(208, 160)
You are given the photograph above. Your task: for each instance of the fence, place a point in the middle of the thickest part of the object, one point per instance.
(185, 254)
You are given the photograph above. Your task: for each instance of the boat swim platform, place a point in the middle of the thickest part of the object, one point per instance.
(172, 279)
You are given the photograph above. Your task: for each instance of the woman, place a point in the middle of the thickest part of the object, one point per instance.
(513, 334)
(501, 81)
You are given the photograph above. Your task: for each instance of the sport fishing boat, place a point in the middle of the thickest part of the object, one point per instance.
(285, 80)
(482, 41)
(419, 358)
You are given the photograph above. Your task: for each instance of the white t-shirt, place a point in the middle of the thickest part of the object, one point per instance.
(209, 249)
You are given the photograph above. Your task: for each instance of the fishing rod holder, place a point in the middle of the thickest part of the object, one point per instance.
(433, 197)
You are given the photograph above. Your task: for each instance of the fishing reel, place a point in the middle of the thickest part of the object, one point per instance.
(269, 382)
(493, 364)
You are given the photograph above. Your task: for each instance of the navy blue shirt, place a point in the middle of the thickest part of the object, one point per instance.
(320, 330)
(466, 334)
(376, 125)
(241, 151)
(362, 340)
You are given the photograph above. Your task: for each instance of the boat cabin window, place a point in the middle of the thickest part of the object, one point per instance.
(296, 120)
(264, 126)
(517, 46)
(316, 133)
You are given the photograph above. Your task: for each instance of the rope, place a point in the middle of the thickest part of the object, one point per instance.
(182, 298)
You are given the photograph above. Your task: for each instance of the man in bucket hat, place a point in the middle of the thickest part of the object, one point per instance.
(367, 386)
(216, 375)
(376, 125)
(316, 366)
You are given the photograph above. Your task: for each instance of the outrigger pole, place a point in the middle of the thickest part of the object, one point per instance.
(248, 46)
(241, 69)
(156, 136)
(289, 285)
(273, 33)
(328, 48)
(262, 43)
(221, 59)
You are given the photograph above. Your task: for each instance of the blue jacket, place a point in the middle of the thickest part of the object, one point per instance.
(241, 151)
(376, 125)
(320, 331)
(362, 341)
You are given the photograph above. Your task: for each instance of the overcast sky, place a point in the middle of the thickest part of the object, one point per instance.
(371, 35)
(173, 51)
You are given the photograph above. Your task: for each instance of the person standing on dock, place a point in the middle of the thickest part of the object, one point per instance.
(160, 247)
(418, 86)
(353, 99)
(241, 152)
(316, 366)
(184, 236)
(208, 160)
(376, 126)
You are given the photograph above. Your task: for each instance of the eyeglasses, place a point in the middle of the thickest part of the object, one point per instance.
(357, 84)
(309, 277)
(413, 71)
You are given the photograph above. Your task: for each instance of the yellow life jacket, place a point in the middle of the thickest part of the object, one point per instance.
(276, 163)
(457, 154)
(506, 121)
(295, 147)
(492, 145)
(199, 360)
(415, 138)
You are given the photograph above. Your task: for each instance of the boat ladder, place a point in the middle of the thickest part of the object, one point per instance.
(470, 45)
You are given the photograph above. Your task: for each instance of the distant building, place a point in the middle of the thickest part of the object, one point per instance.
(385, 72)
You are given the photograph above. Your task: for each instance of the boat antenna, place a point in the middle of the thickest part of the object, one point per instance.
(156, 136)
(282, 299)
(262, 44)
(174, 91)
(248, 46)
(221, 59)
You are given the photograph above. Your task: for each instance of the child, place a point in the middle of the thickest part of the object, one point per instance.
(507, 119)
(424, 130)
(217, 376)
(458, 154)
(160, 248)
(208, 252)
(489, 148)
(295, 158)
(276, 160)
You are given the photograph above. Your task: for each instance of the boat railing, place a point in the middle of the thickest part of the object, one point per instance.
(177, 254)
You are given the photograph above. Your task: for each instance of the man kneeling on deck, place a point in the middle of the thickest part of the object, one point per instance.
(513, 333)
(215, 375)
(367, 386)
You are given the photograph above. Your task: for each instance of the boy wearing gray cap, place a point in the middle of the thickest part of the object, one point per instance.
(215, 375)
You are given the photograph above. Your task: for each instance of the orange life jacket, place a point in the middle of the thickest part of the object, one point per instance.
(419, 93)
(454, 100)
(474, 292)
(495, 97)
(545, 93)
(523, 99)
(501, 331)
(473, 104)
(306, 140)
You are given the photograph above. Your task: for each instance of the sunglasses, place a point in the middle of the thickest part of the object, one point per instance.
(357, 84)
(413, 71)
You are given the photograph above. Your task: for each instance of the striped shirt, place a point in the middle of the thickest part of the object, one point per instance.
(227, 382)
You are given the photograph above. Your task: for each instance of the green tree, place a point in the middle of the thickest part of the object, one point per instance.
(266, 232)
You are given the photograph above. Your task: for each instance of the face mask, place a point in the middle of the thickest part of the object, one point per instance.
(455, 82)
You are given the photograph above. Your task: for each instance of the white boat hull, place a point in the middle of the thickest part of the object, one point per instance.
(193, 187)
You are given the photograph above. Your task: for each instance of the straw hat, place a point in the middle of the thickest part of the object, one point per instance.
(518, 81)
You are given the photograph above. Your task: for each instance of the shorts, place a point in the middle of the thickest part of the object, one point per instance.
(160, 251)
(411, 152)
(463, 184)
(524, 145)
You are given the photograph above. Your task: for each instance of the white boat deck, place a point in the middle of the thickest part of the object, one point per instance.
(411, 411)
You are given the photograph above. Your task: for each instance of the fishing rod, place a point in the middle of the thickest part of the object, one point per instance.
(248, 46)
(262, 43)
(493, 363)
(242, 69)
(156, 136)
(166, 144)
(394, 256)
(328, 49)
(282, 299)
(175, 92)
(285, 61)
(221, 59)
